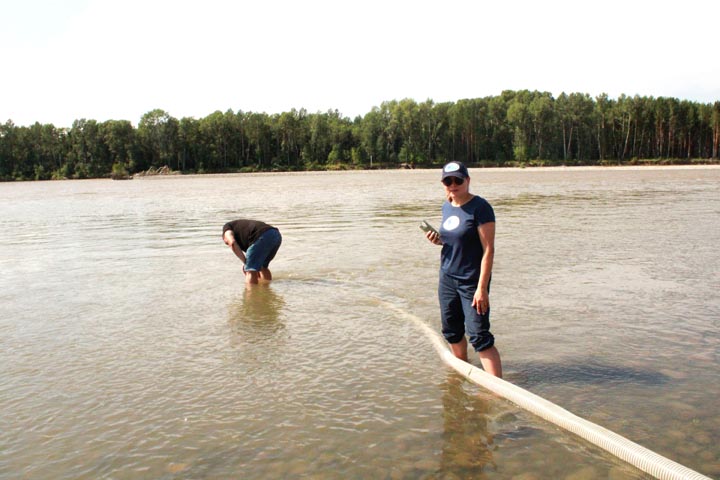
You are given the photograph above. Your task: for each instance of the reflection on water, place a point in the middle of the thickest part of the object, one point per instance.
(257, 316)
(130, 348)
(467, 440)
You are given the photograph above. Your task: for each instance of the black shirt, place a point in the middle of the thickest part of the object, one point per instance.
(246, 232)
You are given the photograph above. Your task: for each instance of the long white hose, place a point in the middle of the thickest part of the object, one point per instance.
(637, 455)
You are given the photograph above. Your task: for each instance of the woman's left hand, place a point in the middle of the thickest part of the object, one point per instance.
(481, 300)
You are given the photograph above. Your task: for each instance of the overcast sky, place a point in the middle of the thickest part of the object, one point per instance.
(111, 59)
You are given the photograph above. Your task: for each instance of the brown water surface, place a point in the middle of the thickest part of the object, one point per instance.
(129, 347)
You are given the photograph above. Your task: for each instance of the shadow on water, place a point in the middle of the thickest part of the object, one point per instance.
(581, 372)
(257, 315)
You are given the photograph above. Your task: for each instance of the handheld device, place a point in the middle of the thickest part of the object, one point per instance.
(426, 227)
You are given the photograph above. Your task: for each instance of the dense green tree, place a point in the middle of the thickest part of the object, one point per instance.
(433, 126)
(43, 147)
(499, 133)
(542, 116)
(603, 109)
(371, 134)
(291, 133)
(391, 136)
(216, 134)
(406, 114)
(574, 113)
(119, 138)
(88, 155)
(318, 145)
(158, 139)
(260, 139)
(463, 130)
(8, 138)
(342, 142)
(519, 119)
(191, 150)
(16, 160)
(515, 126)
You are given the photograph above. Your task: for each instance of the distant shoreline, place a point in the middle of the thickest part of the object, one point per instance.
(708, 166)
(165, 172)
(554, 168)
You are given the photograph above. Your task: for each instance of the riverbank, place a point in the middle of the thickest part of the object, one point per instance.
(338, 166)
(539, 168)
(165, 170)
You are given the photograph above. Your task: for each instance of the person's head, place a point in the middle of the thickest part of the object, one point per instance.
(228, 237)
(455, 178)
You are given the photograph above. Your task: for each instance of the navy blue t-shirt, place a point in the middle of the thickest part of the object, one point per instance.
(462, 250)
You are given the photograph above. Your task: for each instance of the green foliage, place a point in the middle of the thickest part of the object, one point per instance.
(356, 156)
(119, 171)
(81, 171)
(520, 152)
(514, 128)
(334, 156)
(62, 173)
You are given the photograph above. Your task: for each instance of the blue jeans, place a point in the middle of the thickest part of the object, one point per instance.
(260, 253)
(458, 315)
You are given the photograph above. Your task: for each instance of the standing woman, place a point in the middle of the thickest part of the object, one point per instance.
(467, 236)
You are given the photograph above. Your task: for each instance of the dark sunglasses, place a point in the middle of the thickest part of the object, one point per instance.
(447, 181)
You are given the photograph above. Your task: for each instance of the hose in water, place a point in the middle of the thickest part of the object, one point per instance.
(636, 455)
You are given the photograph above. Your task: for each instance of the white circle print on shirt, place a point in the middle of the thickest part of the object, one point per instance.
(451, 223)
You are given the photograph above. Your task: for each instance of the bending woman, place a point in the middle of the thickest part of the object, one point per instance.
(255, 243)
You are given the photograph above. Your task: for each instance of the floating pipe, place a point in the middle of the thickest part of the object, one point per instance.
(646, 460)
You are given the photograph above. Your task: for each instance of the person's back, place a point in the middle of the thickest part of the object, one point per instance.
(255, 243)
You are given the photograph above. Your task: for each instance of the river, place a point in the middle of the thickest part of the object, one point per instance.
(130, 347)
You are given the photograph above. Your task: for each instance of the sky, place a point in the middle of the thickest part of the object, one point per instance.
(117, 60)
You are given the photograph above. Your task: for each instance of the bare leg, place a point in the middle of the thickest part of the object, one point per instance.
(490, 359)
(265, 275)
(460, 349)
(251, 278)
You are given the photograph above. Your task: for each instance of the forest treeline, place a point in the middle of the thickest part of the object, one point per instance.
(511, 129)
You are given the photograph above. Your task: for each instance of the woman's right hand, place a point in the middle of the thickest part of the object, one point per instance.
(433, 237)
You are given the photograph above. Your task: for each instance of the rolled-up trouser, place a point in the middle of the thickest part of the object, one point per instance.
(458, 314)
(260, 253)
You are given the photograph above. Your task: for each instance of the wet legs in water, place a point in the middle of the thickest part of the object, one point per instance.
(252, 278)
(489, 358)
